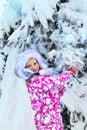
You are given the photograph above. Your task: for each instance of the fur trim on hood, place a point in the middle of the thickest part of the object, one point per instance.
(21, 61)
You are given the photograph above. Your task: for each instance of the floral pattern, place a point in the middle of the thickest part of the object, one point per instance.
(45, 92)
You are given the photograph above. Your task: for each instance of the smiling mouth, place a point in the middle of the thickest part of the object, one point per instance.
(36, 71)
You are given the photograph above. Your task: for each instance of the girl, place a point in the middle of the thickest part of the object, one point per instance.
(44, 88)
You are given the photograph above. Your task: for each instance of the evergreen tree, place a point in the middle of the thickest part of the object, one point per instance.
(59, 33)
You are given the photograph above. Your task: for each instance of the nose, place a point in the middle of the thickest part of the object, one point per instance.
(33, 68)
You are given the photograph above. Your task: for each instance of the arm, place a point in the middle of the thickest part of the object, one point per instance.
(55, 83)
(63, 77)
(60, 81)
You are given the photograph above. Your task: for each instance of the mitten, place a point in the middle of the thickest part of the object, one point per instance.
(72, 69)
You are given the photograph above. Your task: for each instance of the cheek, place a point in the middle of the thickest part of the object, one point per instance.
(38, 66)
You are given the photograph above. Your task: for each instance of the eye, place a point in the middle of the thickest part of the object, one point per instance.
(28, 66)
(35, 63)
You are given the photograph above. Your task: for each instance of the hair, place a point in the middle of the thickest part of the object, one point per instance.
(22, 59)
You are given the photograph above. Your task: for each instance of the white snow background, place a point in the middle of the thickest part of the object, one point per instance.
(15, 109)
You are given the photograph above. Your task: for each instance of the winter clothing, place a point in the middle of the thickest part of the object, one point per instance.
(45, 92)
(72, 69)
(21, 61)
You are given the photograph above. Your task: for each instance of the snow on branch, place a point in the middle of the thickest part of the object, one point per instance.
(27, 12)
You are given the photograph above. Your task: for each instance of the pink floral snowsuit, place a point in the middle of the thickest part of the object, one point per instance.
(45, 92)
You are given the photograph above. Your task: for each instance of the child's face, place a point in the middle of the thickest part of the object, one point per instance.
(33, 65)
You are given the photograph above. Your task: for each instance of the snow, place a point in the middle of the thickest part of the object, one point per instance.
(2, 3)
(14, 103)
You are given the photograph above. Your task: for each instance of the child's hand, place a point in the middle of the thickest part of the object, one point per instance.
(72, 69)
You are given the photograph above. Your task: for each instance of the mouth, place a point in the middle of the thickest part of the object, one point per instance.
(36, 71)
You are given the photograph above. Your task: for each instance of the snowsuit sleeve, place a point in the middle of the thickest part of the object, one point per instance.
(60, 81)
(55, 83)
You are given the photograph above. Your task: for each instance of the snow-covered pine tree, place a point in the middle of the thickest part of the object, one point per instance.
(58, 30)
